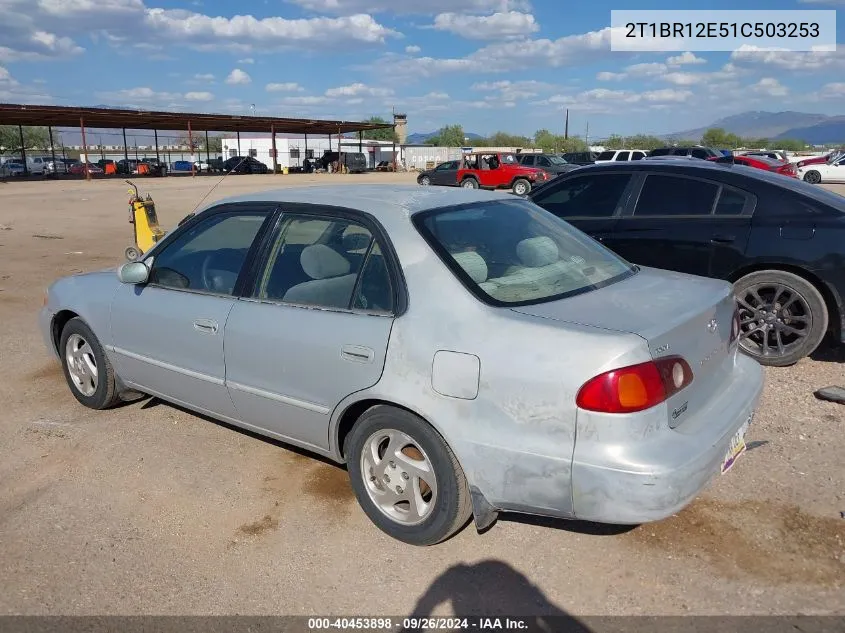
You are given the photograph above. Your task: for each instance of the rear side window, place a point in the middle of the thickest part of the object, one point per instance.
(675, 195)
(731, 202)
(623, 156)
(665, 151)
(638, 156)
(700, 153)
(595, 196)
(606, 156)
(527, 160)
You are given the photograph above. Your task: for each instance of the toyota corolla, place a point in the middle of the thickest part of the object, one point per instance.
(462, 352)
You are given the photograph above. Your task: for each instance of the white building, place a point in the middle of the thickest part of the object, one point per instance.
(292, 149)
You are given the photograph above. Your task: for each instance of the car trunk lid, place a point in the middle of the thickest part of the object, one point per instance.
(676, 314)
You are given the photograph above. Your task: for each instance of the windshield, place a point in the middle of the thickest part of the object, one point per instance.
(509, 159)
(606, 155)
(514, 253)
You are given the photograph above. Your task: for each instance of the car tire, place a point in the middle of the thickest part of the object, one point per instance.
(81, 354)
(521, 187)
(800, 307)
(813, 177)
(424, 180)
(448, 506)
(469, 183)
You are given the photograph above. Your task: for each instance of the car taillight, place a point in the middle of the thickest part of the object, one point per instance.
(636, 387)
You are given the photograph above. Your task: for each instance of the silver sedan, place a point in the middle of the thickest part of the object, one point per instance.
(462, 352)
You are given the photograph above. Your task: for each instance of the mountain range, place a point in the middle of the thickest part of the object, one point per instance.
(815, 129)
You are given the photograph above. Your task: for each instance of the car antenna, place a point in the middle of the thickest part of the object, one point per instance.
(208, 193)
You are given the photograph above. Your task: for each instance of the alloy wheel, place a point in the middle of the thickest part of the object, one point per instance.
(81, 365)
(774, 319)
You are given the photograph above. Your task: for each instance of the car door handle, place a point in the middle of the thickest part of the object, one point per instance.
(357, 353)
(206, 326)
(722, 239)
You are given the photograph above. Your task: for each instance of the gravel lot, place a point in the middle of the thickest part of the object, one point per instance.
(151, 509)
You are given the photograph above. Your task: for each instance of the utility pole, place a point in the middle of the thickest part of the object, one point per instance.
(587, 136)
(566, 128)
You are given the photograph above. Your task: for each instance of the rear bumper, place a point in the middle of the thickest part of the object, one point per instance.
(648, 479)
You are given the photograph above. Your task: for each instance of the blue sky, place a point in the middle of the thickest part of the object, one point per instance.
(489, 65)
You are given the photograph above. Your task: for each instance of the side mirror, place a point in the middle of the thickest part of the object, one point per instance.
(133, 273)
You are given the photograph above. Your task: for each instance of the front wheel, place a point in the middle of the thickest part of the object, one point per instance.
(425, 180)
(406, 477)
(813, 177)
(469, 183)
(87, 369)
(783, 317)
(521, 186)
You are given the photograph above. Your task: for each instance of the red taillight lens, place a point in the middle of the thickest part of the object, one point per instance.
(635, 388)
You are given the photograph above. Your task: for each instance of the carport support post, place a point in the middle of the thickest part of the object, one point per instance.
(273, 136)
(191, 147)
(125, 149)
(339, 152)
(207, 150)
(306, 146)
(360, 140)
(155, 134)
(239, 142)
(85, 147)
(53, 149)
(23, 151)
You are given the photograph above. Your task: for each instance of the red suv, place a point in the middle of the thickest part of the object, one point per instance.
(498, 170)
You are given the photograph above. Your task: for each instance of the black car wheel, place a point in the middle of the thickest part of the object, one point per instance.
(87, 369)
(424, 180)
(783, 317)
(813, 177)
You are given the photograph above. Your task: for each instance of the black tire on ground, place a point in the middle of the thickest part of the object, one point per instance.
(105, 395)
(521, 186)
(813, 177)
(807, 313)
(469, 183)
(424, 180)
(452, 505)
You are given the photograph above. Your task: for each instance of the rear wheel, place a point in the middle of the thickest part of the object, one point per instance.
(425, 180)
(469, 183)
(783, 317)
(521, 186)
(813, 177)
(405, 477)
(88, 372)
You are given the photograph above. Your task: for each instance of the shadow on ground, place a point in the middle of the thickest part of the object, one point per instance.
(491, 589)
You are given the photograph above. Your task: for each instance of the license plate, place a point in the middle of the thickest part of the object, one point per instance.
(738, 445)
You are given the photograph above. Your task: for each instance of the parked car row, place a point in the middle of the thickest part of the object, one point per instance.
(487, 170)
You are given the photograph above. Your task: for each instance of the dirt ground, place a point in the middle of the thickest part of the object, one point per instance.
(148, 509)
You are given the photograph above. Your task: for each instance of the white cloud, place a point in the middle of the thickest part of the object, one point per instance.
(284, 87)
(204, 77)
(487, 27)
(808, 61)
(358, 90)
(770, 87)
(238, 77)
(246, 60)
(133, 96)
(6, 77)
(304, 100)
(199, 96)
(636, 70)
(412, 50)
(662, 72)
(684, 79)
(512, 91)
(418, 7)
(685, 58)
(500, 57)
(604, 101)
(45, 29)
(835, 90)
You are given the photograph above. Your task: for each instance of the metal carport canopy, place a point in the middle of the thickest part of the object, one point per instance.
(63, 116)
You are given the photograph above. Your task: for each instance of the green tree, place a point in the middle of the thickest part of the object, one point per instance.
(572, 144)
(33, 138)
(644, 141)
(546, 141)
(383, 134)
(614, 141)
(215, 143)
(503, 139)
(448, 136)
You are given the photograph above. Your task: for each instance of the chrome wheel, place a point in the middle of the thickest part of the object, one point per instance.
(425, 180)
(399, 476)
(774, 319)
(520, 188)
(81, 364)
(469, 183)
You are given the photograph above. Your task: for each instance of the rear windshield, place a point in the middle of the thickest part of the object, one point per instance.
(514, 253)
(664, 151)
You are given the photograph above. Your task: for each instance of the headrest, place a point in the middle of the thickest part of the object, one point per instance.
(537, 251)
(473, 264)
(356, 241)
(319, 262)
